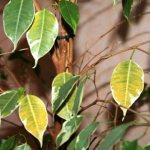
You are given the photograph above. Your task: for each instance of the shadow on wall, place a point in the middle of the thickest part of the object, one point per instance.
(123, 30)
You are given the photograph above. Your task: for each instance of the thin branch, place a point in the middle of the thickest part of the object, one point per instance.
(111, 54)
(11, 52)
(37, 5)
(114, 28)
(140, 49)
(12, 123)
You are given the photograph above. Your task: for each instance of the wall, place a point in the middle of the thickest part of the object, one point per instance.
(96, 18)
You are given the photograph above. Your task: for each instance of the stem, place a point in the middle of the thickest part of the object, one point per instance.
(12, 123)
(132, 54)
(37, 5)
(62, 58)
(111, 54)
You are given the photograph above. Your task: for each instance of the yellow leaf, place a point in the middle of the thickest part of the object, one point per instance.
(127, 83)
(33, 115)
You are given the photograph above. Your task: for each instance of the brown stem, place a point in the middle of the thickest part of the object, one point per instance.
(12, 123)
(8, 53)
(37, 5)
(62, 58)
(111, 54)
(69, 55)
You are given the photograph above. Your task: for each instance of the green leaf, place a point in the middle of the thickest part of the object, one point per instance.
(42, 34)
(8, 144)
(23, 147)
(82, 141)
(33, 115)
(79, 96)
(147, 147)
(127, 83)
(70, 13)
(17, 17)
(9, 101)
(131, 145)
(145, 93)
(65, 111)
(127, 6)
(113, 136)
(0, 118)
(60, 93)
(68, 128)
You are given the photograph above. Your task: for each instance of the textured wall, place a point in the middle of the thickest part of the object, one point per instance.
(96, 18)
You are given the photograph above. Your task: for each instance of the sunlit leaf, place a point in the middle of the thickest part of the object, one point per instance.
(8, 144)
(70, 13)
(79, 96)
(113, 136)
(17, 17)
(61, 91)
(82, 141)
(127, 83)
(33, 115)
(127, 6)
(9, 102)
(68, 128)
(23, 147)
(42, 34)
(131, 145)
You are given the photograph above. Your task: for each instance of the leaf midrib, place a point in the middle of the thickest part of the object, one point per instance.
(127, 82)
(18, 19)
(32, 112)
(42, 31)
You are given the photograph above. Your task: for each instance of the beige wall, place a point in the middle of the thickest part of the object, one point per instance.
(97, 17)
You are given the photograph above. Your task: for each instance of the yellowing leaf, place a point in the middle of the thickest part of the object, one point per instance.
(127, 83)
(33, 115)
(42, 34)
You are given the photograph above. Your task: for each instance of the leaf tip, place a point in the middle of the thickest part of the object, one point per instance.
(124, 110)
(41, 143)
(35, 64)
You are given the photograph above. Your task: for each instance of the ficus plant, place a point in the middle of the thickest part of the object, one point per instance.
(52, 32)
